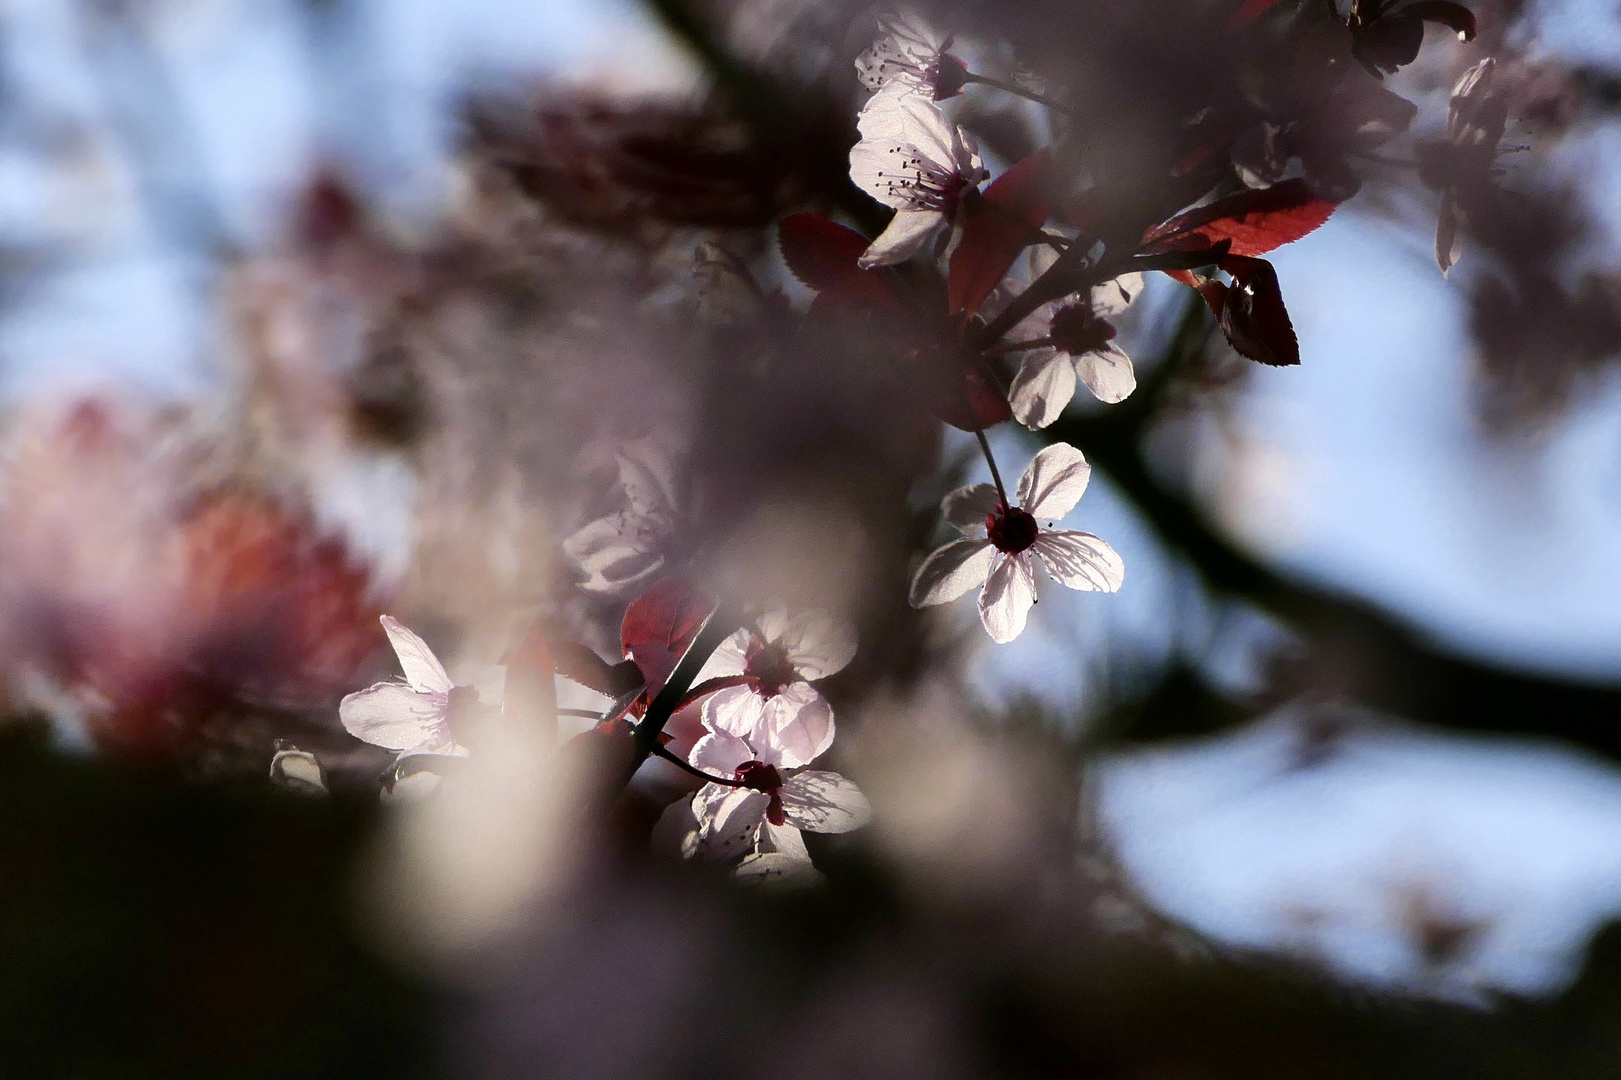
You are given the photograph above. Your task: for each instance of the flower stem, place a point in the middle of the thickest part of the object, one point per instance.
(684, 766)
(1014, 88)
(1018, 346)
(714, 630)
(985, 446)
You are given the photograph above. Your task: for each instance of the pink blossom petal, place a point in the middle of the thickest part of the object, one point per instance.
(798, 725)
(423, 671)
(1080, 560)
(908, 232)
(1042, 388)
(1054, 481)
(730, 658)
(721, 754)
(818, 644)
(728, 819)
(952, 570)
(393, 716)
(774, 869)
(967, 507)
(736, 710)
(1009, 593)
(824, 802)
(781, 839)
(1113, 297)
(1107, 373)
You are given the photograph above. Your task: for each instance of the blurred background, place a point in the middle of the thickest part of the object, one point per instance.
(315, 309)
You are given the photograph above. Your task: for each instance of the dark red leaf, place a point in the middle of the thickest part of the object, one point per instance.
(996, 226)
(1255, 221)
(819, 252)
(1252, 314)
(658, 627)
(823, 254)
(574, 661)
(1249, 11)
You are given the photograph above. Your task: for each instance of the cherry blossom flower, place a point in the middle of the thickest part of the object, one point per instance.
(764, 816)
(413, 716)
(1077, 343)
(911, 53)
(1003, 544)
(911, 157)
(774, 706)
(625, 548)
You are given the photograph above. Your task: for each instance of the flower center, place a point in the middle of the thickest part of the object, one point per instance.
(767, 668)
(1077, 331)
(758, 776)
(1011, 529)
(922, 183)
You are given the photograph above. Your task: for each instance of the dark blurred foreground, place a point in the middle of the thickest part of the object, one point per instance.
(153, 928)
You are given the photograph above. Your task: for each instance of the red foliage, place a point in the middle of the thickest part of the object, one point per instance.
(658, 627)
(996, 226)
(1255, 221)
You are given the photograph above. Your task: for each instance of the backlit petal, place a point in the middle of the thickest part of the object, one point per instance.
(907, 234)
(422, 669)
(952, 570)
(824, 802)
(392, 715)
(1009, 593)
(1107, 373)
(967, 507)
(1042, 388)
(736, 710)
(798, 725)
(818, 644)
(1080, 560)
(1054, 481)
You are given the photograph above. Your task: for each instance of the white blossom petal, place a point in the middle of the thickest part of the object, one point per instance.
(818, 643)
(1080, 560)
(773, 870)
(721, 753)
(1042, 388)
(908, 232)
(781, 839)
(1009, 593)
(824, 802)
(967, 507)
(1054, 481)
(736, 710)
(1113, 297)
(393, 716)
(952, 570)
(423, 671)
(798, 725)
(1107, 373)
(728, 820)
(729, 658)
(905, 52)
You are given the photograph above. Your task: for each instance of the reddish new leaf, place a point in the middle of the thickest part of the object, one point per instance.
(658, 627)
(576, 662)
(1252, 314)
(1004, 220)
(823, 254)
(819, 252)
(1255, 222)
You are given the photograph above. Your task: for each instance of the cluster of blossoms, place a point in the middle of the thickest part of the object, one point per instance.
(1031, 283)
